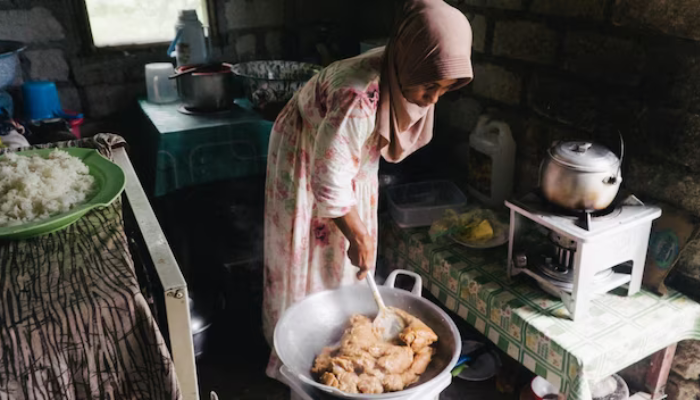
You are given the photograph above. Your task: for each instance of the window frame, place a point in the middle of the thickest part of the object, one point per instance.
(88, 42)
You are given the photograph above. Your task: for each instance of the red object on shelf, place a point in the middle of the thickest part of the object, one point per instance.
(75, 120)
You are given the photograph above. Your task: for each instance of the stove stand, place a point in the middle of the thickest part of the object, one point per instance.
(576, 263)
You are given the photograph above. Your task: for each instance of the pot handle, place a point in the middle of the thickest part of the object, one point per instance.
(417, 285)
(622, 155)
(544, 160)
(183, 72)
(156, 90)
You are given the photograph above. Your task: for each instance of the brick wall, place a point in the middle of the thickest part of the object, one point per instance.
(589, 69)
(103, 83)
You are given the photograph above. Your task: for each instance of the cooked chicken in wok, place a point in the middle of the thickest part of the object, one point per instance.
(364, 363)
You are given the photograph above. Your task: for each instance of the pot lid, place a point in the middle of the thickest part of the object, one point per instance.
(586, 156)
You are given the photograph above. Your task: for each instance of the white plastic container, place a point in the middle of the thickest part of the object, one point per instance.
(491, 161)
(159, 88)
(420, 204)
(190, 45)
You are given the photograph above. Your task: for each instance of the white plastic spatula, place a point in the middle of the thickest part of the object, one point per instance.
(389, 323)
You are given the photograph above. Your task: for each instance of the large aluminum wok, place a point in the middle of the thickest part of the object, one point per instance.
(319, 321)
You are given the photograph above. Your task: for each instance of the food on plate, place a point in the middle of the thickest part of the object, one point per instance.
(33, 188)
(475, 226)
(364, 363)
(476, 231)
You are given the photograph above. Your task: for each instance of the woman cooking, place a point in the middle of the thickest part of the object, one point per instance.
(321, 190)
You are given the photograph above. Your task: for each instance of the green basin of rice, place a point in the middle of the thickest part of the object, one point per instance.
(35, 188)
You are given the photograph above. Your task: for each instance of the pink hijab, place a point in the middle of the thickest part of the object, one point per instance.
(432, 41)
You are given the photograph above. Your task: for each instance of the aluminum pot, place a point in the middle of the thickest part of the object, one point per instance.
(9, 61)
(320, 319)
(206, 88)
(580, 175)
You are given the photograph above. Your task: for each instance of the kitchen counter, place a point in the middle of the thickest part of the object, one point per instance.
(177, 150)
(532, 327)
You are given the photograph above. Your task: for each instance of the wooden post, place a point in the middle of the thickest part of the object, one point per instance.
(657, 374)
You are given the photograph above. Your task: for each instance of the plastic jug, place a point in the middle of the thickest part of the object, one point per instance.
(491, 161)
(190, 46)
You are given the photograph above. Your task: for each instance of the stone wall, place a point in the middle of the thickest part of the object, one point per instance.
(103, 82)
(589, 69)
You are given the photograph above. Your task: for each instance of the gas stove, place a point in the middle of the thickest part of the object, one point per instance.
(575, 256)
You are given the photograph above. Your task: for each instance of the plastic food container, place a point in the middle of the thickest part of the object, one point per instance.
(420, 204)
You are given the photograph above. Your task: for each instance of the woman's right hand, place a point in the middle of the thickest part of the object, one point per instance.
(362, 253)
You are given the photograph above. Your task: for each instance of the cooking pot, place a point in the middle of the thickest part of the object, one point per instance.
(319, 320)
(200, 322)
(580, 175)
(9, 61)
(205, 87)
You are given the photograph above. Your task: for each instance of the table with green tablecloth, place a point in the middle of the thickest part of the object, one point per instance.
(179, 150)
(531, 326)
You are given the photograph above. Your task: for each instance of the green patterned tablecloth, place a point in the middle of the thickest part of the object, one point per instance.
(533, 327)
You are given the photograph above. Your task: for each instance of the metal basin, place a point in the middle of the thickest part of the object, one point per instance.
(319, 321)
(269, 83)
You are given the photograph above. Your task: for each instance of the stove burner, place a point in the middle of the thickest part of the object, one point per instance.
(583, 218)
(564, 249)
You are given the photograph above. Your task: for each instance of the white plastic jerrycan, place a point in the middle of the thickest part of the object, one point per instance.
(190, 46)
(491, 161)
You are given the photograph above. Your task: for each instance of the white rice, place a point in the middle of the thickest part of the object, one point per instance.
(35, 188)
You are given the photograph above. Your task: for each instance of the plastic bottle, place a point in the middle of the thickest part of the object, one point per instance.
(491, 161)
(190, 46)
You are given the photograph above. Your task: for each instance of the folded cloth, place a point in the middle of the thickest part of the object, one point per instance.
(14, 140)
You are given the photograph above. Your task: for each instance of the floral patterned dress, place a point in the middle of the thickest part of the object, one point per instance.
(323, 160)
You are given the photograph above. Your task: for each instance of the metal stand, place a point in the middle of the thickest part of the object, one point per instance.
(174, 286)
(657, 375)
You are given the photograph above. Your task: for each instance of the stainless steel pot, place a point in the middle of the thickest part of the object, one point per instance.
(199, 323)
(580, 175)
(206, 88)
(319, 321)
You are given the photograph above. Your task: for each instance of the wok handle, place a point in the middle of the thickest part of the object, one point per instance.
(417, 286)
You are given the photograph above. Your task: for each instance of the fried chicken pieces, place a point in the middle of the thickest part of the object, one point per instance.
(364, 363)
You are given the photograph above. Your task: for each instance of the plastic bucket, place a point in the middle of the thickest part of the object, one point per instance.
(41, 100)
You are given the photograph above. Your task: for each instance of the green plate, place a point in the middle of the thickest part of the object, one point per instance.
(109, 179)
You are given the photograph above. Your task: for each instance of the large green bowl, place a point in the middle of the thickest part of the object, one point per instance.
(109, 182)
